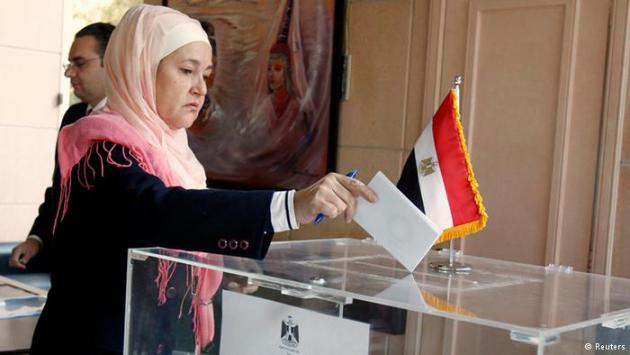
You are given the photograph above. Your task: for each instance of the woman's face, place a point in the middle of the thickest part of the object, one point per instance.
(181, 84)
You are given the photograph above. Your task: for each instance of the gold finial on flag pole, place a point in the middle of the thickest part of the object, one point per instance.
(457, 81)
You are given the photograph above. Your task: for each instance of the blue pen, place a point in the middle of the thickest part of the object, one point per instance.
(320, 216)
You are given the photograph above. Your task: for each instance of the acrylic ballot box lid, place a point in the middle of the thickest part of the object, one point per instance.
(534, 303)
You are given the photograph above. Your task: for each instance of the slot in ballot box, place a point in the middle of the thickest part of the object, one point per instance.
(349, 296)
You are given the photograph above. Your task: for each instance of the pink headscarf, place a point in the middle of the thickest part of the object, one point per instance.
(146, 34)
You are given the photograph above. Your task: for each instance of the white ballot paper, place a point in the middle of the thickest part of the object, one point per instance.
(396, 224)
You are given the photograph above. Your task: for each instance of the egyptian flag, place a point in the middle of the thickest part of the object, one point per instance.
(438, 177)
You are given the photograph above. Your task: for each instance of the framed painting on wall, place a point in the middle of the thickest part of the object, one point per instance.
(270, 118)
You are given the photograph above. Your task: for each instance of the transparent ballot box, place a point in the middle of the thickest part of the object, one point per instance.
(348, 296)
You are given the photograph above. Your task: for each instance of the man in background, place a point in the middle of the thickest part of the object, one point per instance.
(87, 76)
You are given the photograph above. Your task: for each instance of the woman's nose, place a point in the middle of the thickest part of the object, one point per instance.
(199, 87)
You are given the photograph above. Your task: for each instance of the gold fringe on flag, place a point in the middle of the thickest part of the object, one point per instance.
(474, 226)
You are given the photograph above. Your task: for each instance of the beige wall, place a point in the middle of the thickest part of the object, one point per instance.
(30, 62)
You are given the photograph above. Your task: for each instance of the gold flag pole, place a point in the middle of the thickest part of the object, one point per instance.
(452, 266)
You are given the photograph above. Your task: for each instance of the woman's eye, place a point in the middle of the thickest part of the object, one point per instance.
(186, 71)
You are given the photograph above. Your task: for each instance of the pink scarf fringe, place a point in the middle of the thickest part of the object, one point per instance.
(202, 284)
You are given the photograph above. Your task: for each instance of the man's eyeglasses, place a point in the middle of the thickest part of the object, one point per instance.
(78, 63)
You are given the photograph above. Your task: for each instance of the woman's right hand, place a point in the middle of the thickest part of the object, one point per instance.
(332, 195)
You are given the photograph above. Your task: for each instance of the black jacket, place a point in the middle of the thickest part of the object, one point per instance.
(125, 208)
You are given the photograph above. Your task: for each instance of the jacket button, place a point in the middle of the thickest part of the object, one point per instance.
(233, 244)
(222, 243)
(244, 244)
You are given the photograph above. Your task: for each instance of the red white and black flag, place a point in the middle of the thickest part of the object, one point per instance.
(438, 176)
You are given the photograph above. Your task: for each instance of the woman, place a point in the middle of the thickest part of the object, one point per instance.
(128, 179)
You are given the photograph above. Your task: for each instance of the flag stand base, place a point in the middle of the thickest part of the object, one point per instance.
(450, 267)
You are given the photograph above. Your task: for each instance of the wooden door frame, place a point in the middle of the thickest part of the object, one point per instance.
(609, 162)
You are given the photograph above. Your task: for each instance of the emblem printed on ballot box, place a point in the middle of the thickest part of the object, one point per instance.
(290, 334)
